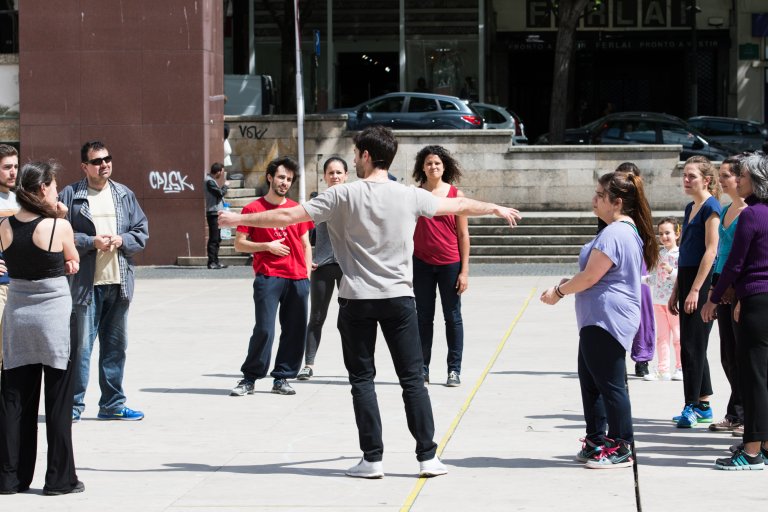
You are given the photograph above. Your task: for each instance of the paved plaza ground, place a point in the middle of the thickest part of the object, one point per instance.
(508, 435)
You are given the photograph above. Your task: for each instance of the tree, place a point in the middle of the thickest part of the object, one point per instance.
(568, 13)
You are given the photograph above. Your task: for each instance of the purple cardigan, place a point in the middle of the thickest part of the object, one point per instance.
(747, 265)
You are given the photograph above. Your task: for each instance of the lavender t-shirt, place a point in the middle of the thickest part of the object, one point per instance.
(613, 303)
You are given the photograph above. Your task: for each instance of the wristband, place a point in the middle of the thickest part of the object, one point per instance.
(558, 292)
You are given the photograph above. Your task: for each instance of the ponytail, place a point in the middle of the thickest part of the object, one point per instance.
(32, 176)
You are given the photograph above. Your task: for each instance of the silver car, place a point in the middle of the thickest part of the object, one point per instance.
(499, 118)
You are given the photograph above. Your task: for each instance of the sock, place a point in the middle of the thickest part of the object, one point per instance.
(703, 405)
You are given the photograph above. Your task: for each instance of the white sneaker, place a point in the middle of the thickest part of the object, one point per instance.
(678, 375)
(431, 467)
(650, 377)
(365, 469)
(665, 376)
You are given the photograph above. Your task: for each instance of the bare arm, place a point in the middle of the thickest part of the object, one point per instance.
(307, 252)
(276, 247)
(277, 218)
(597, 266)
(462, 233)
(711, 238)
(71, 256)
(470, 207)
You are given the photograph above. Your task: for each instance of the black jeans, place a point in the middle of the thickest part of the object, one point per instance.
(752, 354)
(291, 296)
(320, 293)
(426, 278)
(602, 378)
(358, 320)
(728, 344)
(694, 338)
(214, 238)
(19, 402)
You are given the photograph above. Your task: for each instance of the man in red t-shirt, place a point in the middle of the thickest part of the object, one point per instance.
(281, 264)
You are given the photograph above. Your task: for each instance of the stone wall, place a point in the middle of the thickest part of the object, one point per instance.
(533, 178)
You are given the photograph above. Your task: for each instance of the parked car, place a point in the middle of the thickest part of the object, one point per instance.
(413, 111)
(499, 118)
(740, 134)
(645, 128)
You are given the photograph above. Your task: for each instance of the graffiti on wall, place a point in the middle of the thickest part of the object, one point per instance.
(251, 132)
(170, 182)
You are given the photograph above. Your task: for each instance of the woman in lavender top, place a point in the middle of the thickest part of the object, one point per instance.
(747, 271)
(607, 292)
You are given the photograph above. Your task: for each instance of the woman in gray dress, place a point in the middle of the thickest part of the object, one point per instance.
(39, 250)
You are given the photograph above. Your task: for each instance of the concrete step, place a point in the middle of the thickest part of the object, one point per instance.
(573, 219)
(529, 230)
(524, 250)
(523, 259)
(542, 240)
(239, 202)
(201, 261)
(240, 192)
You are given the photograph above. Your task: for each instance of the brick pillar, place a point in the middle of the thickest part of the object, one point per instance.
(143, 76)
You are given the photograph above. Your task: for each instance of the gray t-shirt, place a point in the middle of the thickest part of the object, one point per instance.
(371, 227)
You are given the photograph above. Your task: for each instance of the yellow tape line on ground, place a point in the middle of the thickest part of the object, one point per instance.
(455, 423)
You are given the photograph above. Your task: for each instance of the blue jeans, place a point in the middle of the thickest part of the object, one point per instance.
(358, 320)
(291, 295)
(602, 378)
(426, 278)
(107, 317)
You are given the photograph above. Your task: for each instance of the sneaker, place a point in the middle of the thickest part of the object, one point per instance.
(75, 417)
(305, 373)
(741, 461)
(725, 425)
(610, 457)
(244, 387)
(589, 450)
(125, 413)
(426, 378)
(678, 375)
(79, 487)
(651, 377)
(453, 380)
(687, 418)
(641, 369)
(281, 387)
(702, 416)
(738, 431)
(365, 469)
(431, 467)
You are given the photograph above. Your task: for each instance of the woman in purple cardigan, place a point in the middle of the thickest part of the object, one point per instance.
(747, 271)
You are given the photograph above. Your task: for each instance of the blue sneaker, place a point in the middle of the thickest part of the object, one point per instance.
(125, 414)
(589, 450)
(688, 418)
(741, 461)
(702, 415)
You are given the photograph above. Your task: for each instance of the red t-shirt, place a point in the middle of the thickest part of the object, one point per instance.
(292, 266)
(435, 240)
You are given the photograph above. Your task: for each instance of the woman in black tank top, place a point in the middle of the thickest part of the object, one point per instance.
(39, 250)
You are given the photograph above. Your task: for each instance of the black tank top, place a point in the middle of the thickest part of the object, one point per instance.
(27, 261)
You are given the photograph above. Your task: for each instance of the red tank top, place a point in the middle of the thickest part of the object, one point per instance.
(435, 240)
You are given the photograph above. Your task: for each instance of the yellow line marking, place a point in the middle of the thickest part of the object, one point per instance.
(455, 423)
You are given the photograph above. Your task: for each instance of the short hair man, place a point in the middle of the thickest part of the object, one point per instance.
(9, 168)
(110, 228)
(371, 223)
(282, 260)
(216, 187)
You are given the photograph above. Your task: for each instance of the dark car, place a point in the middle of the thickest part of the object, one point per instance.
(740, 134)
(413, 111)
(646, 128)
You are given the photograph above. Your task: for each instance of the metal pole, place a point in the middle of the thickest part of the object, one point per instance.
(481, 50)
(402, 45)
(299, 105)
(251, 40)
(330, 57)
(693, 9)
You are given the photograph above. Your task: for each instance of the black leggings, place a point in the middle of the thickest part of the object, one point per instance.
(694, 338)
(752, 355)
(320, 293)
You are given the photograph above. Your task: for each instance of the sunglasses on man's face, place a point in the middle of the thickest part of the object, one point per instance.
(99, 161)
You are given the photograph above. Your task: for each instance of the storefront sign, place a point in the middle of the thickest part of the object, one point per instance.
(616, 14)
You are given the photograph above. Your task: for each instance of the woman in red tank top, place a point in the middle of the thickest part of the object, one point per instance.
(440, 260)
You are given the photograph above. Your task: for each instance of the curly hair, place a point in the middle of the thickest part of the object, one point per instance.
(451, 168)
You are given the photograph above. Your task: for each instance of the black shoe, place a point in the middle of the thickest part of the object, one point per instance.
(216, 266)
(641, 369)
(281, 387)
(79, 487)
